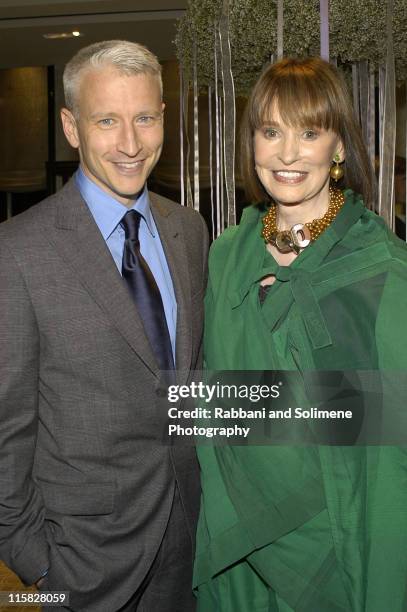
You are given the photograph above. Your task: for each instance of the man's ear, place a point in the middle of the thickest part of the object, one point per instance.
(70, 128)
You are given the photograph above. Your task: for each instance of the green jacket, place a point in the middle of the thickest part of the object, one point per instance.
(327, 524)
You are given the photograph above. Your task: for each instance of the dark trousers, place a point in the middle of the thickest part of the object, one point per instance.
(167, 586)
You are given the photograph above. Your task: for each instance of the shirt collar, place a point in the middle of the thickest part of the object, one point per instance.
(106, 210)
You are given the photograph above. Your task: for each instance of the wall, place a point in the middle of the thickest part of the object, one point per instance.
(23, 128)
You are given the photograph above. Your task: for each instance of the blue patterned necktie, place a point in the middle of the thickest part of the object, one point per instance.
(145, 292)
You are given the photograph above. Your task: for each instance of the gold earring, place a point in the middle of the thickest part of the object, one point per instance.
(336, 172)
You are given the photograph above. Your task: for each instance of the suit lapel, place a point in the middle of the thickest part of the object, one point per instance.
(170, 228)
(80, 243)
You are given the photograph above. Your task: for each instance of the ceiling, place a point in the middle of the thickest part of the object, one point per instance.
(23, 23)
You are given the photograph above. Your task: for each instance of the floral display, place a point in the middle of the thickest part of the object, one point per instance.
(357, 32)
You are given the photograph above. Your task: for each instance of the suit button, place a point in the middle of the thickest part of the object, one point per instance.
(161, 392)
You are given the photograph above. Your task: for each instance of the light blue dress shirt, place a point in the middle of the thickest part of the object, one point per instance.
(107, 213)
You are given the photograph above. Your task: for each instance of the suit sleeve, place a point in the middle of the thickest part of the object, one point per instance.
(23, 546)
(205, 247)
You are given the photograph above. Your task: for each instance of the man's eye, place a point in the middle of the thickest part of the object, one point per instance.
(106, 122)
(146, 120)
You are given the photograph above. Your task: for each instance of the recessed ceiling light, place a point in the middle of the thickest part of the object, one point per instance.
(61, 35)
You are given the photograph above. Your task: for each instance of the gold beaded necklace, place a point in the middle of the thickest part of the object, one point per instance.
(301, 234)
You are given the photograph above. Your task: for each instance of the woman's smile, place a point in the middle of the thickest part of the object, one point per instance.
(289, 177)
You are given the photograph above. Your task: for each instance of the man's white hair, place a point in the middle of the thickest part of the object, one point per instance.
(127, 57)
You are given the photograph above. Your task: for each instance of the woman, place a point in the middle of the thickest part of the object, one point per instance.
(314, 281)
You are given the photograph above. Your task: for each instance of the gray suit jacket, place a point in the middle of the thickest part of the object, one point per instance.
(85, 483)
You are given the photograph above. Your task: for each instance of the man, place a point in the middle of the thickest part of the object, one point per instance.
(101, 289)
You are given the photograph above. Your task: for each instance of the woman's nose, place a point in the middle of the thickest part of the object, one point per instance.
(289, 150)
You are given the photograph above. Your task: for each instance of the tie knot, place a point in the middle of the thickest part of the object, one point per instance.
(131, 223)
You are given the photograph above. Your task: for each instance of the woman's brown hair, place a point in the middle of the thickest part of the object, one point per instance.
(308, 93)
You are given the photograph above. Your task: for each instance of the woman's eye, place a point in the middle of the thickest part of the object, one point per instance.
(310, 134)
(270, 132)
